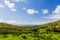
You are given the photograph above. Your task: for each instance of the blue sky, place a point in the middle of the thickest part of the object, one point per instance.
(29, 12)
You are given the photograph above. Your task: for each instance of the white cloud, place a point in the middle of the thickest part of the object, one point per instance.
(9, 21)
(53, 16)
(19, 23)
(34, 23)
(45, 11)
(2, 6)
(2, 20)
(10, 5)
(56, 14)
(57, 10)
(31, 11)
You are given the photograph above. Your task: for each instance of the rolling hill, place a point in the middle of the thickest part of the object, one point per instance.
(49, 31)
(13, 28)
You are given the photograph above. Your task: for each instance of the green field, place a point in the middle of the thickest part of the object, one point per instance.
(30, 37)
(37, 32)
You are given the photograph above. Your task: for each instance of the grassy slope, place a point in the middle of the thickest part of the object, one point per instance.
(39, 32)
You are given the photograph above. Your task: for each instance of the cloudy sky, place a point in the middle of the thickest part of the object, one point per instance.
(29, 12)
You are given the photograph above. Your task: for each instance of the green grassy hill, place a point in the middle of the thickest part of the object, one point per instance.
(49, 31)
